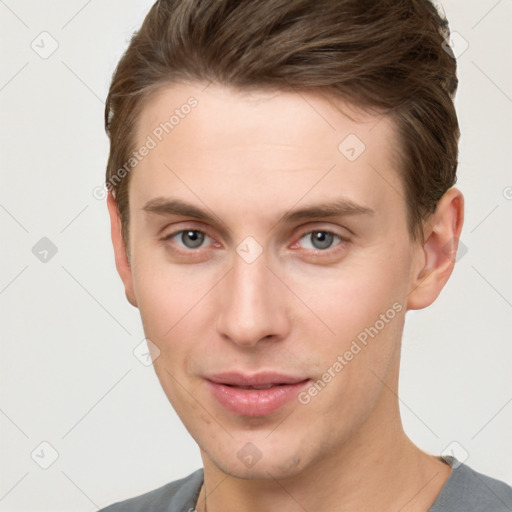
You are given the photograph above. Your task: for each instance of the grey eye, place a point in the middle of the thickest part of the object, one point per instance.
(191, 238)
(320, 240)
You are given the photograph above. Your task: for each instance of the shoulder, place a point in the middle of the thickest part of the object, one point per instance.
(469, 491)
(180, 496)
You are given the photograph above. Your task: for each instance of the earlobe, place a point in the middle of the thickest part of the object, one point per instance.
(436, 258)
(122, 263)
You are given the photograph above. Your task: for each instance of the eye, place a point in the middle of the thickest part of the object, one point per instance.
(189, 238)
(318, 240)
(321, 240)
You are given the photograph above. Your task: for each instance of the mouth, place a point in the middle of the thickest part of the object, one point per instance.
(254, 395)
(257, 380)
(266, 386)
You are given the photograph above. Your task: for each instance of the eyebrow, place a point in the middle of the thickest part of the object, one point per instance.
(340, 207)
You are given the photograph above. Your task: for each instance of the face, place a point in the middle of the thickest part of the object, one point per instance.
(272, 267)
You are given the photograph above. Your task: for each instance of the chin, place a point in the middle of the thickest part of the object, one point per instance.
(277, 466)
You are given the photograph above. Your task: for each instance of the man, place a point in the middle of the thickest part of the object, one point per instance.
(281, 193)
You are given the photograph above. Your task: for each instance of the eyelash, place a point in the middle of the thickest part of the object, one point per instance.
(328, 251)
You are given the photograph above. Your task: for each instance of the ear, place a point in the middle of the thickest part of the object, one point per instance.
(122, 263)
(437, 255)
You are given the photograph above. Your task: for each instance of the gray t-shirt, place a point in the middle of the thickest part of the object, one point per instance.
(464, 491)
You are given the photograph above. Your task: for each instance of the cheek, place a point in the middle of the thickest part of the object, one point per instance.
(166, 292)
(352, 364)
(176, 311)
(347, 299)
(360, 314)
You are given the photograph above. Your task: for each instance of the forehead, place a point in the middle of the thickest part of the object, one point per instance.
(266, 116)
(276, 144)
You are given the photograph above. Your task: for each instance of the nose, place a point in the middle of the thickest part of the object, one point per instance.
(252, 304)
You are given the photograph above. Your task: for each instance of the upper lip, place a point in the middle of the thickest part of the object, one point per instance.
(255, 379)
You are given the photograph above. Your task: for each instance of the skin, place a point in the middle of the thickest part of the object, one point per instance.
(248, 158)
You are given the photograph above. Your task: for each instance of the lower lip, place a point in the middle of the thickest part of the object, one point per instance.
(255, 402)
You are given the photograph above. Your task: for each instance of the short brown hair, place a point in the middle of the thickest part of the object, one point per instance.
(388, 55)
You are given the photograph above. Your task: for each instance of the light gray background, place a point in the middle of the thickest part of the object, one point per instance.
(68, 373)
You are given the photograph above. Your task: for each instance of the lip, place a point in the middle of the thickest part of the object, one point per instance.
(256, 379)
(228, 390)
